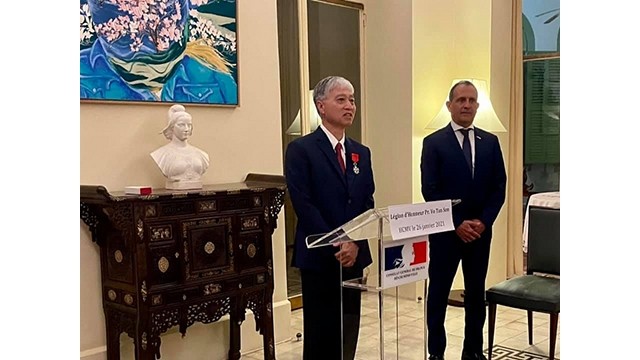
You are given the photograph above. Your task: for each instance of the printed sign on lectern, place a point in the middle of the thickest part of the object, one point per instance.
(405, 261)
(406, 258)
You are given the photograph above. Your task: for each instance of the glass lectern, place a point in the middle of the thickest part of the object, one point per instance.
(400, 332)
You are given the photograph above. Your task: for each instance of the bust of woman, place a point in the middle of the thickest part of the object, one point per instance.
(181, 163)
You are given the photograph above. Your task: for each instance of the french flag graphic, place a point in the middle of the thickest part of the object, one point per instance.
(420, 252)
(406, 255)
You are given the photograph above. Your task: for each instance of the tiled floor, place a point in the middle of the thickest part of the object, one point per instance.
(511, 332)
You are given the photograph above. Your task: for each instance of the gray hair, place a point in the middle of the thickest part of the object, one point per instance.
(327, 84)
(461, 82)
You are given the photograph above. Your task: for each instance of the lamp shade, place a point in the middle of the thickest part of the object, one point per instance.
(314, 118)
(486, 118)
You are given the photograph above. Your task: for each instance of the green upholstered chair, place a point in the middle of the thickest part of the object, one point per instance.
(539, 289)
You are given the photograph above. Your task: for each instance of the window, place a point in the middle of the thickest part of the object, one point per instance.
(541, 74)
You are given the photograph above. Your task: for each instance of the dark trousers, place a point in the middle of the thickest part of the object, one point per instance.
(321, 310)
(445, 253)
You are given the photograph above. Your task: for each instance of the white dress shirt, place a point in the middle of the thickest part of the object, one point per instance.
(335, 142)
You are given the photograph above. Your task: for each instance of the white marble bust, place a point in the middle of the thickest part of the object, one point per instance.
(181, 163)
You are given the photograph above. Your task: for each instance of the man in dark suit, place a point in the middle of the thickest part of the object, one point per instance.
(330, 181)
(461, 161)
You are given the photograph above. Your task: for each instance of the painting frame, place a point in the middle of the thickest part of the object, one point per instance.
(159, 52)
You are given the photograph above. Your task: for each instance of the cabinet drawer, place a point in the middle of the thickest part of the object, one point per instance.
(250, 252)
(240, 202)
(207, 290)
(207, 247)
(163, 264)
(161, 232)
(176, 297)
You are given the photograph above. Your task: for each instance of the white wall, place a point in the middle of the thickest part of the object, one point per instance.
(388, 78)
(115, 142)
(414, 49)
(389, 100)
(455, 39)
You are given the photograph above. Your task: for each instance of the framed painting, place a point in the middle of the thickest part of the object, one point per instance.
(159, 51)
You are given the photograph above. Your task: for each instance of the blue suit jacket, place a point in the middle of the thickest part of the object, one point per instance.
(445, 175)
(324, 198)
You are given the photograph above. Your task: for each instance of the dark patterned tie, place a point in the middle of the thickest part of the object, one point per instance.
(340, 159)
(466, 148)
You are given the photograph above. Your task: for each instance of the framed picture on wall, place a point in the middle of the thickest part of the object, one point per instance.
(159, 51)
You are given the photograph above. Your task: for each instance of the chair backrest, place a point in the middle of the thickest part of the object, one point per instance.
(544, 241)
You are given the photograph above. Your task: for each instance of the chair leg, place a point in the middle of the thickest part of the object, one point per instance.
(530, 325)
(492, 326)
(553, 331)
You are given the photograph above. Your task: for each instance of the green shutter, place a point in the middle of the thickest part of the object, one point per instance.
(542, 112)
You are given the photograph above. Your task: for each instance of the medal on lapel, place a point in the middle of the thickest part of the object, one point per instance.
(355, 158)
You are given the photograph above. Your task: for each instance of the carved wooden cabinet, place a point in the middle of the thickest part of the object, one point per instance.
(173, 258)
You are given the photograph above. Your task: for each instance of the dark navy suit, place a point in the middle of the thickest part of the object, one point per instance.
(446, 175)
(324, 198)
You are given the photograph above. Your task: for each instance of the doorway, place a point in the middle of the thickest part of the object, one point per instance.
(333, 46)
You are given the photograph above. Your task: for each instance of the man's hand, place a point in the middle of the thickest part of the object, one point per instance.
(347, 254)
(478, 226)
(468, 230)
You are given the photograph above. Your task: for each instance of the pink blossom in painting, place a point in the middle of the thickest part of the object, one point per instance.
(158, 20)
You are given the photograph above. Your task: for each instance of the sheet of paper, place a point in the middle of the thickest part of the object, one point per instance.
(407, 221)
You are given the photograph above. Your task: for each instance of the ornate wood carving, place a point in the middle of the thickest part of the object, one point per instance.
(255, 303)
(208, 311)
(173, 259)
